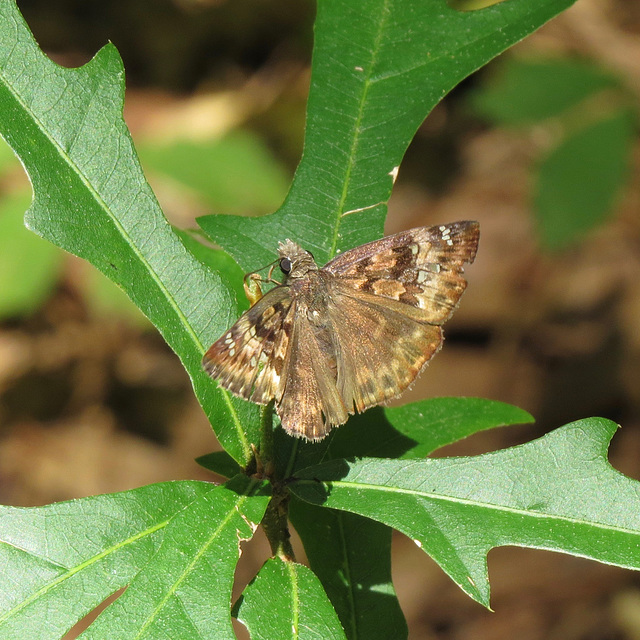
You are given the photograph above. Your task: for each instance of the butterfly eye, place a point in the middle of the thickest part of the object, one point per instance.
(285, 266)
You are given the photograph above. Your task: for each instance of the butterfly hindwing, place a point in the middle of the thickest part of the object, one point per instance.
(382, 350)
(310, 403)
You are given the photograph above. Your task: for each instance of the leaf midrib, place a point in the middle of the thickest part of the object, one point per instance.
(375, 50)
(464, 501)
(81, 566)
(75, 170)
(295, 598)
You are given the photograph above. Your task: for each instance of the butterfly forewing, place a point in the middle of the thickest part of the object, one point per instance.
(248, 359)
(420, 269)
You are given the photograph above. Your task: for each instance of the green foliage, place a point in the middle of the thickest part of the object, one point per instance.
(340, 547)
(198, 554)
(580, 178)
(303, 610)
(61, 561)
(371, 88)
(235, 174)
(90, 198)
(579, 181)
(22, 290)
(547, 494)
(175, 546)
(524, 92)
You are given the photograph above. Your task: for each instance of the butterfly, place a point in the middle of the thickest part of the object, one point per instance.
(328, 342)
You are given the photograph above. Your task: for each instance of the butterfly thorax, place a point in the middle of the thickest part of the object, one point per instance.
(308, 286)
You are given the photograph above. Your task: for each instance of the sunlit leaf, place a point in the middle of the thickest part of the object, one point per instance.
(554, 493)
(286, 600)
(371, 88)
(91, 199)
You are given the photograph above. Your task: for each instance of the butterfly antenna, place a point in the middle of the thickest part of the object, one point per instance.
(253, 274)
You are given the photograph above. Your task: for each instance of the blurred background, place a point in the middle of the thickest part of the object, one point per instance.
(541, 147)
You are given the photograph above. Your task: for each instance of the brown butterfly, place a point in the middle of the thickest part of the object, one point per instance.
(332, 341)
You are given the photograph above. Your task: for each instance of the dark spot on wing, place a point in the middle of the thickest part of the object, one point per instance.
(409, 298)
(367, 286)
(278, 364)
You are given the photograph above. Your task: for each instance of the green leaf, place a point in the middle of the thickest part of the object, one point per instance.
(286, 600)
(220, 262)
(184, 591)
(220, 462)
(340, 546)
(29, 267)
(553, 493)
(523, 92)
(415, 430)
(369, 434)
(351, 556)
(235, 174)
(579, 180)
(437, 422)
(371, 88)
(91, 199)
(59, 562)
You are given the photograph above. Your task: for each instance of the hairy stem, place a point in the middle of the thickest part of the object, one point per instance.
(276, 518)
(276, 524)
(266, 461)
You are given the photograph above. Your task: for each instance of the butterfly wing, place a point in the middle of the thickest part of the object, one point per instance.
(417, 272)
(309, 404)
(249, 358)
(388, 299)
(381, 350)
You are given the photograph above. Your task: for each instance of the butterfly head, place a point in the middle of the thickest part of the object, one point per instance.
(294, 261)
